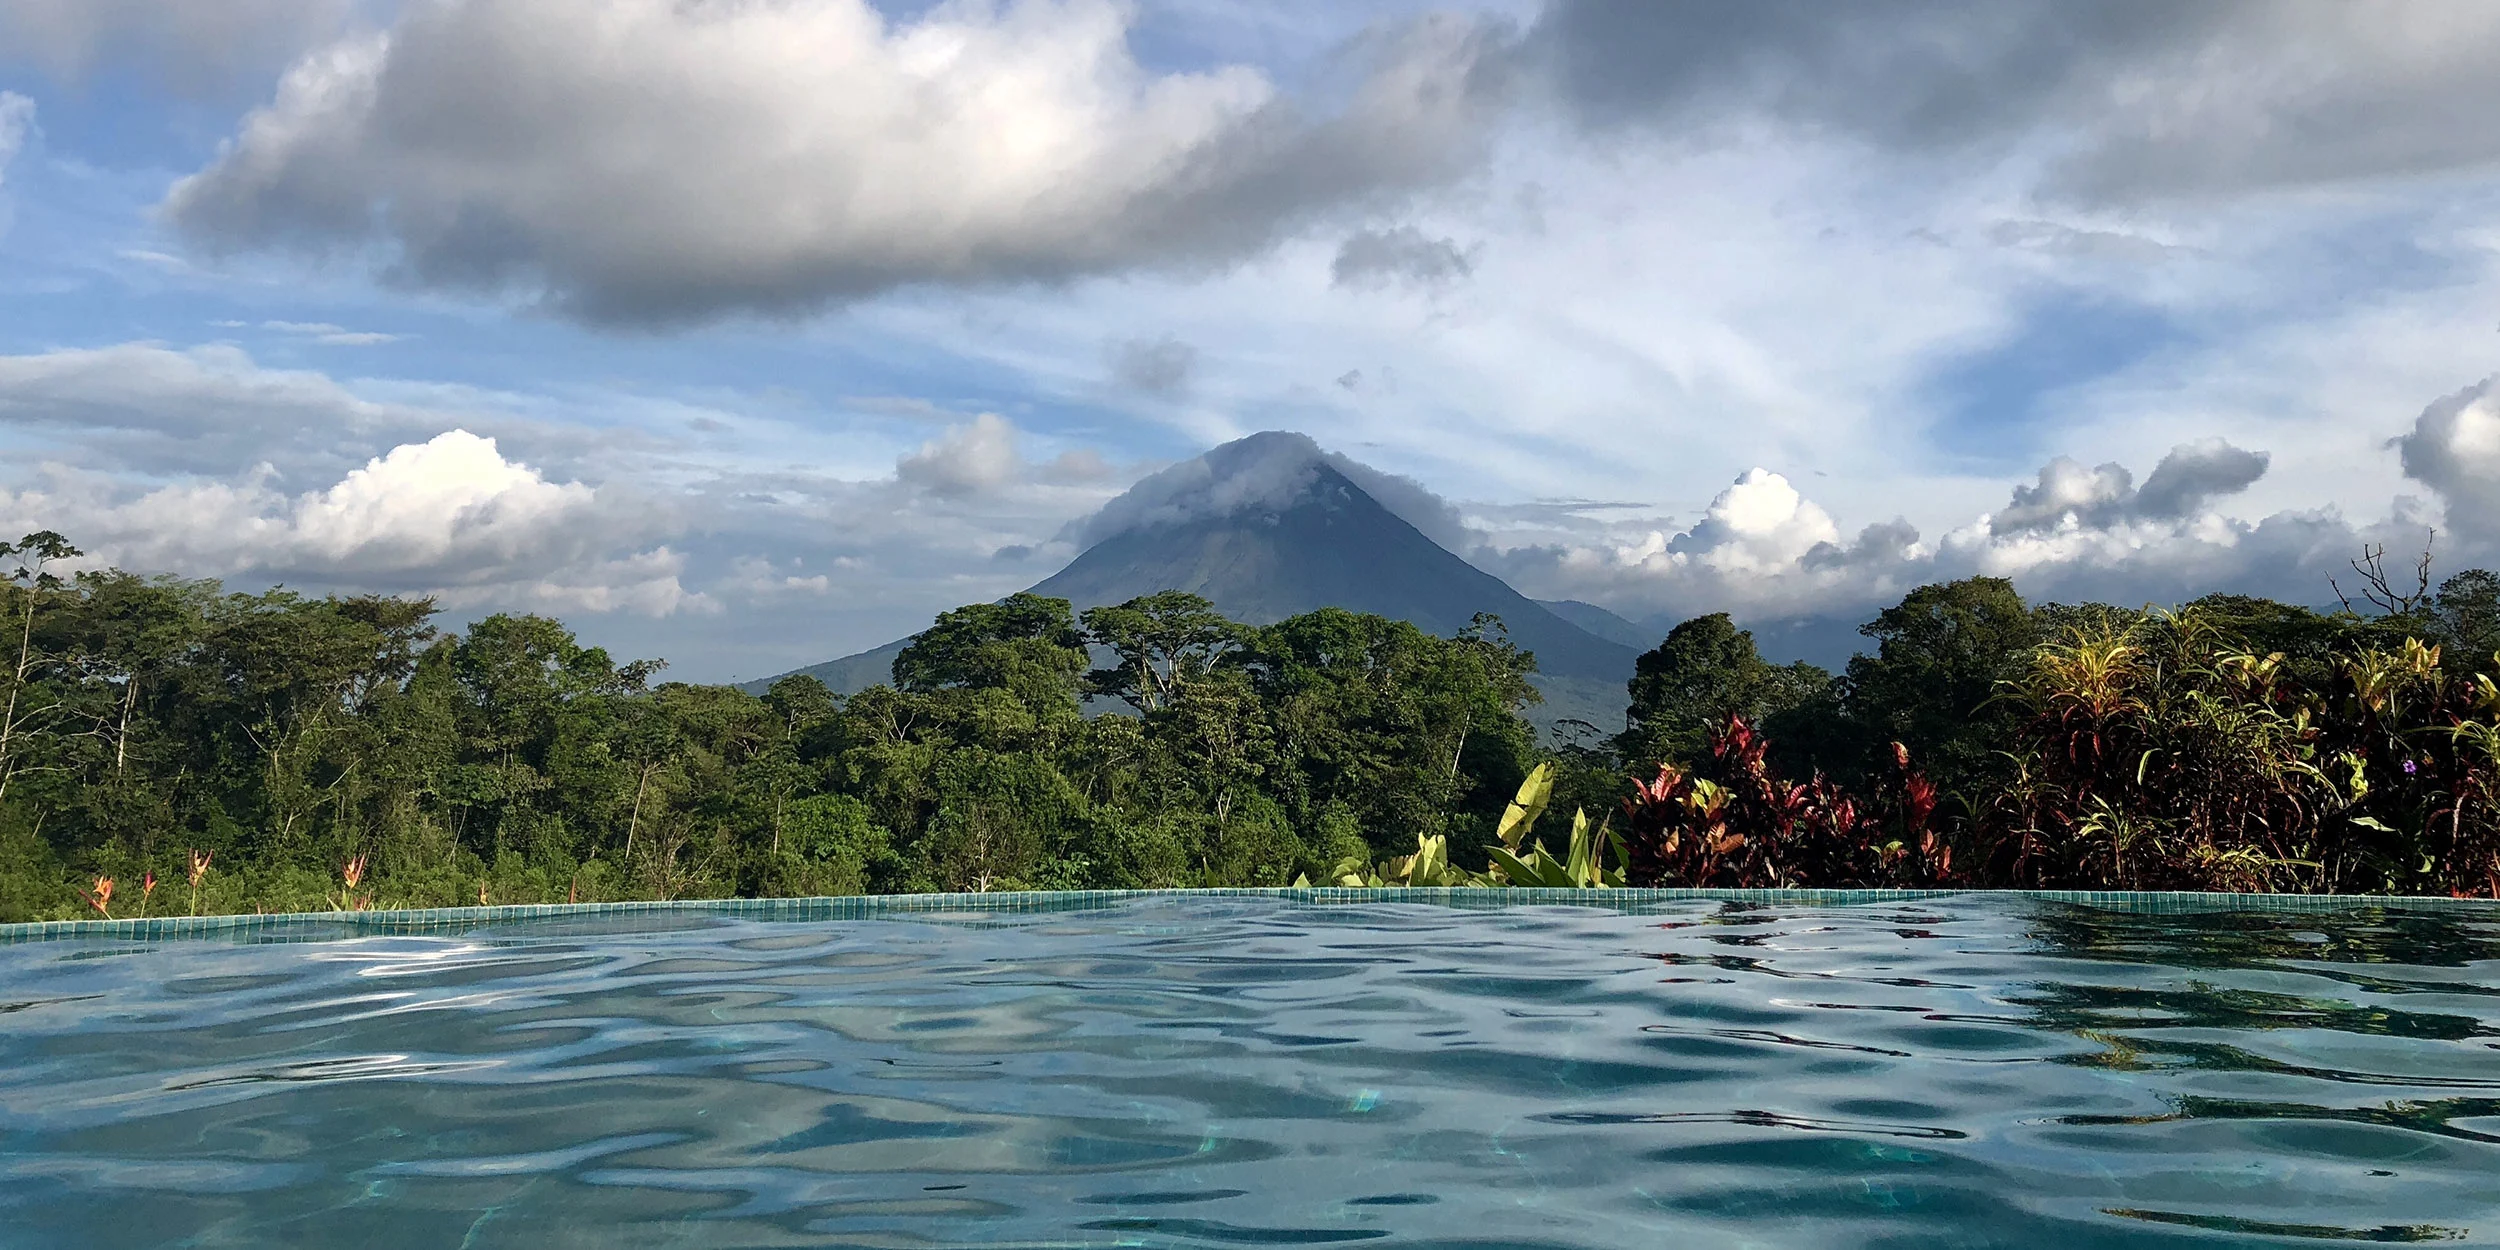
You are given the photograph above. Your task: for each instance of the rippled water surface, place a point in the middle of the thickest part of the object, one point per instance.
(1250, 1072)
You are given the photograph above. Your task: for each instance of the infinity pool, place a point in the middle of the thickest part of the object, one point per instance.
(1243, 1071)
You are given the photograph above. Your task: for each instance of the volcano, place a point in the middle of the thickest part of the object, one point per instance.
(1272, 526)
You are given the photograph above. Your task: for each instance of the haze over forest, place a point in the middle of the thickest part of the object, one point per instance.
(755, 335)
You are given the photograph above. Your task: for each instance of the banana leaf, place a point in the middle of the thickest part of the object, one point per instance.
(1520, 816)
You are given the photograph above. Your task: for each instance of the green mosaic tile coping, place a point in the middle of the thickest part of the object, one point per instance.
(553, 919)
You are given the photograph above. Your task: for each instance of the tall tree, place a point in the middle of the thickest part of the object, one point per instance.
(1704, 672)
(1933, 681)
(1164, 643)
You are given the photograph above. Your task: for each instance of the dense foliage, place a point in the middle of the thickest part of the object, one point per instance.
(167, 747)
(341, 752)
(2230, 744)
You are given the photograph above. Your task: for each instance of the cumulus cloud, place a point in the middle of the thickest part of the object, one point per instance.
(419, 503)
(1760, 524)
(204, 462)
(2068, 493)
(2186, 480)
(652, 162)
(449, 517)
(1403, 256)
(1884, 542)
(2136, 96)
(1765, 552)
(969, 459)
(2454, 448)
(1261, 475)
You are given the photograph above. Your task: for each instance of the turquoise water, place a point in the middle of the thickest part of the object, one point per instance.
(1230, 1072)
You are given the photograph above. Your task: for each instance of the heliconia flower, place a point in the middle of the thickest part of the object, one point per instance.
(147, 884)
(101, 897)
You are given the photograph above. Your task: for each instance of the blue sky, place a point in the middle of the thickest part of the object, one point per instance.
(792, 322)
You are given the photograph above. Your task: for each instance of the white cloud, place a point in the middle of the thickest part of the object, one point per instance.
(650, 161)
(2454, 448)
(205, 462)
(330, 335)
(193, 44)
(2068, 494)
(17, 120)
(969, 459)
(1764, 551)
(449, 517)
(758, 577)
(421, 503)
(1758, 525)
(210, 409)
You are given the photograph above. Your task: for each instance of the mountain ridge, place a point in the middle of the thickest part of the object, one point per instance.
(1270, 527)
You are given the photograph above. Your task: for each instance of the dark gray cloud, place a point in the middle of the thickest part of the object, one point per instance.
(2192, 476)
(1884, 542)
(1910, 73)
(2135, 97)
(1402, 255)
(646, 162)
(1159, 367)
(205, 410)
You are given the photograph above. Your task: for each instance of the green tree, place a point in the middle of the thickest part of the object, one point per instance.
(1932, 683)
(1164, 643)
(1704, 672)
(1027, 645)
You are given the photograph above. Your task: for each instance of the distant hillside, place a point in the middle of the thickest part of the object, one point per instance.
(1603, 623)
(848, 675)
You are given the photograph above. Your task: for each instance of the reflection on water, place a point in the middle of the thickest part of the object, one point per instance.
(1243, 1072)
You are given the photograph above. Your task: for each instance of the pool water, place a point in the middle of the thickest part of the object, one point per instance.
(1228, 1072)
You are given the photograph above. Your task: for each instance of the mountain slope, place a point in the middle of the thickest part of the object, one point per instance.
(1269, 527)
(1333, 546)
(1602, 623)
(848, 675)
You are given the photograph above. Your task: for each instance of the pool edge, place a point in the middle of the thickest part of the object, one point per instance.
(341, 924)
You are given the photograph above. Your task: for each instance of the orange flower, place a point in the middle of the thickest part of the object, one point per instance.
(354, 871)
(101, 897)
(199, 872)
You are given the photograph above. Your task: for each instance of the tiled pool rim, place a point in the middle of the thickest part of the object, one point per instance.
(657, 916)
